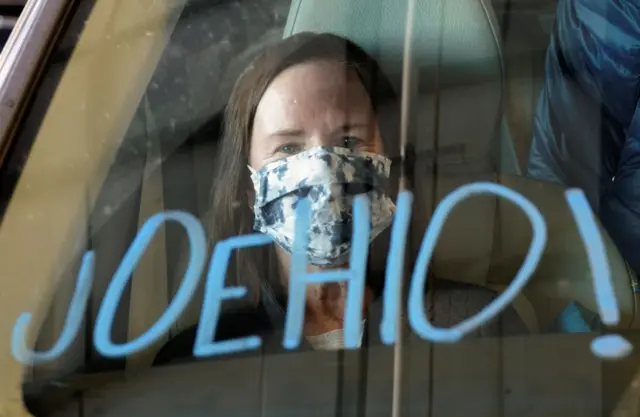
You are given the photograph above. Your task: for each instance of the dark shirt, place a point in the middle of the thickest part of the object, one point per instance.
(452, 303)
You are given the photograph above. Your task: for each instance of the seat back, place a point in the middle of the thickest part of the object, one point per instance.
(486, 239)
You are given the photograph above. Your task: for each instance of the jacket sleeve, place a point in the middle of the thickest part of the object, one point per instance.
(586, 130)
(620, 206)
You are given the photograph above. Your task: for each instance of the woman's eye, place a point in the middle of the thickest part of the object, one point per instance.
(350, 142)
(289, 149)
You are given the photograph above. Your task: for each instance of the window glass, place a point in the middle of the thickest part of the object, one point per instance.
(493, 141)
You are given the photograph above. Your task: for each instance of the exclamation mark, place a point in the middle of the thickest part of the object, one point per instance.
(610, 346)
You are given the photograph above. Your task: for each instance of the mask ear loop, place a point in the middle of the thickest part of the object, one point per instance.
(251, 170)
(252, 173)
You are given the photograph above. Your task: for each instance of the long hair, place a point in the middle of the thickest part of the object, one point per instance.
(230, 213)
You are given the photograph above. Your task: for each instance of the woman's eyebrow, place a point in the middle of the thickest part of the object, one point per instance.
(351, 126)
(287, 133)
(300, 132)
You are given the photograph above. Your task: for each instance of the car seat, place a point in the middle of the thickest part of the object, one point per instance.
(457, 56)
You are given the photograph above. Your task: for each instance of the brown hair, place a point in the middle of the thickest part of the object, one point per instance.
(230, 212)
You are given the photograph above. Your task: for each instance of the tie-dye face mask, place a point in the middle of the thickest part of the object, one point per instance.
(330, 177)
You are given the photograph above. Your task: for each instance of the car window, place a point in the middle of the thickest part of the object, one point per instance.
(155, 135)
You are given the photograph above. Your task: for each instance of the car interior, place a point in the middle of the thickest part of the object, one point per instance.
(478, 68)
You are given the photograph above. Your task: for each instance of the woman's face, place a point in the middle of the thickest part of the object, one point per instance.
(317, 103)
(320, 103)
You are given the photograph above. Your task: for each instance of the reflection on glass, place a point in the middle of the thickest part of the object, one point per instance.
(236, 124)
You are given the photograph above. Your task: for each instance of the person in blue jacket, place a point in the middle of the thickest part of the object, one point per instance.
(586, 131)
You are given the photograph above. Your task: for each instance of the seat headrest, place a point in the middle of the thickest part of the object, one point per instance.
(457, 56)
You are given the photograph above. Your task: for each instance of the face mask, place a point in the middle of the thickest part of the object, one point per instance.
(330, 177)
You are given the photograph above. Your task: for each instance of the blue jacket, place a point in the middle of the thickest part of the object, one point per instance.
(586, 130)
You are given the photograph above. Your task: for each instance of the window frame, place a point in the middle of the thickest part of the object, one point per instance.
(65, 182)
(22, 58)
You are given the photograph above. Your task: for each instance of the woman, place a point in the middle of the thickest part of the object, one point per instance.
(302, 121)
